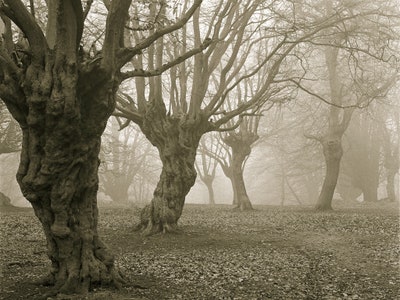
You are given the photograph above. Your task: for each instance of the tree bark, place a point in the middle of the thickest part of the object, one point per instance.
(58, 175)
(242, 197)
(332, 149)
(209, 184)
(241, 149)
(176, 138)
(58, 170)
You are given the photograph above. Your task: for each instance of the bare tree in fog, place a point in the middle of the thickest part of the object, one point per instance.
(124, 158)
(206, 165)
(240, 142)
(220, 152)
(354, 61)
(362, 154)
(371, 151)
(391, 145)
(292, 160)
(174, 111)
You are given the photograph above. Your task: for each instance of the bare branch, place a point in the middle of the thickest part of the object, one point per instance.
(159, 71)
(115, 25)
(17, 12)
(126, 54)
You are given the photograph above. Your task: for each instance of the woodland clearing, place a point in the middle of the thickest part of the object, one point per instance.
(219, 253)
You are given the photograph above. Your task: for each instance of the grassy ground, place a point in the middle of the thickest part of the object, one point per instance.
(269, 253)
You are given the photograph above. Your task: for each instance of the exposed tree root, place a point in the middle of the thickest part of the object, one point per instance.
(150, 228)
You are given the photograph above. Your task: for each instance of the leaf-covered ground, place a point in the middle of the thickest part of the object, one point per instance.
(269, 253)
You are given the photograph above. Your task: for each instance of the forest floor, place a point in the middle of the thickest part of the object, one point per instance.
(220, 253)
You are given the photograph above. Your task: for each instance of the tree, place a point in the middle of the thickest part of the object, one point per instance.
(123, 158)
(220, 152)
(175, 110)
(351, 79)
(362, 154)
(240, 142)
(287, 166)
(207, 166)
(61, 94)
(391, 136)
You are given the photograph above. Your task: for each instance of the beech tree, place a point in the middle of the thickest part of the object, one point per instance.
(241, 141)
(220, 152)
(62, 94)
(123, 158)
(175, 109)
(206, 166)
(354, 60)
(231, 150)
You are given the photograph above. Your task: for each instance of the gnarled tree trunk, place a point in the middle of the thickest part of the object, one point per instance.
(241, 149)
(177, 139)
(332, 149)
(58, 175)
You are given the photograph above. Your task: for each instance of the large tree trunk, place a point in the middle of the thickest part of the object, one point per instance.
(332, 149)
(242, 197)
(58, 175)
(177, 177)
(209, 184)
(240, 151)
(177, 139)
(62, 99)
